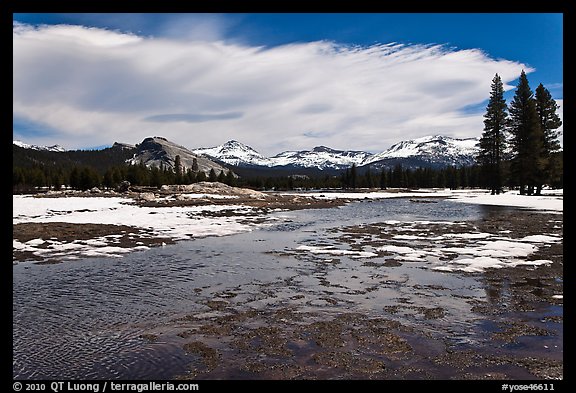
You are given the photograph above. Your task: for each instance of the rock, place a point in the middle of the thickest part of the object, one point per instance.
(123, 186)
(216, 188)
(146, 196)
(95, 190)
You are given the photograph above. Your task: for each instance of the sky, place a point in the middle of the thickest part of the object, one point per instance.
(275, 82)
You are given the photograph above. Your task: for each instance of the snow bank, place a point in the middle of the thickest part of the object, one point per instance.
(177, 223)
(551, 200)
(551, 203)
(375, 195)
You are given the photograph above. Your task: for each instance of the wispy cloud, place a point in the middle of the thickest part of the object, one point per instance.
(97, 86)
(193, 117)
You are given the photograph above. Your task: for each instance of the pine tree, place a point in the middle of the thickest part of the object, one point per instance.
(221, 177)
(397, 178)
(369, 179)
(74, 178)
(178, 169)
(383, 181)
(230, 179)
(212, 175)
(492, 142)
(353, 176)
(345, 179)
(190, 176)
(200, 176)
(527, 161)
(549, 123)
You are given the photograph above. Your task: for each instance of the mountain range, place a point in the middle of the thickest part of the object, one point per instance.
(427, 152)
(431, 151)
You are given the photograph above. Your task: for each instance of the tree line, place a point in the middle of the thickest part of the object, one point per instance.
(85, 177)
(519, 146)
(353, 178)
(30, 179)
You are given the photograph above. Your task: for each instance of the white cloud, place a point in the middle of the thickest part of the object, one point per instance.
(98, 86)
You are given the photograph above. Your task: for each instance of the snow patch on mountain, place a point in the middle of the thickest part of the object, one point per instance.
(36, 147)
(434, 149)
(321, 157)
(235, 153)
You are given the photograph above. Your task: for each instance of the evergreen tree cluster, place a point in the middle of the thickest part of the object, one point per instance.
(519, 146)
(84, 177)
(353, 178)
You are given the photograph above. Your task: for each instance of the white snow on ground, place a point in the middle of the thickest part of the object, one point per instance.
(175, 222)
(479, 264)
(540, 239)
(407, 237)
(171, 222)
(551, 200)
(468, 251)
(332, 251)
(468, 235)
(473, 256)
(376, 194)
(405, 253)
(498, 248)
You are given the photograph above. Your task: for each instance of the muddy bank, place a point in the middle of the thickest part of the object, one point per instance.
(347, 346)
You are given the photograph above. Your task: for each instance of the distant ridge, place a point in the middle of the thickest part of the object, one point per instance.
(430, 151)
(435, 151)
(36, 147)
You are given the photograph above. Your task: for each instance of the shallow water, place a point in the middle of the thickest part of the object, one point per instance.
(84, 319)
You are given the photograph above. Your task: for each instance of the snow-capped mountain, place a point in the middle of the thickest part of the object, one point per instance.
(434, 150)
(36, 147)
(235, 153)
(320, 157)
(429, 151)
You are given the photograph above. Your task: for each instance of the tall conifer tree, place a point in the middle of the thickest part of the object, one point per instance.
(549, 123)
(527, 161)
(492, 143)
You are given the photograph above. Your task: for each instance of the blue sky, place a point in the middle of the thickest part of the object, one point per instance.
(273, 81)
